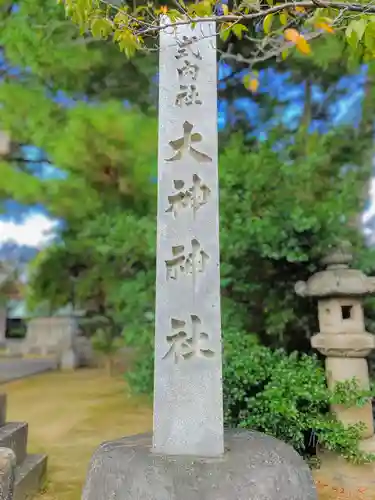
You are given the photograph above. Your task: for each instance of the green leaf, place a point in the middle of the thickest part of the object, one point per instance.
(246, 80)
(283, 17)
(225, 31)
(203, 9)
(267, 23)
(352, 39)
(358, 27)
(101, 28)
(174, 15)
(369, 38)
(238, 29)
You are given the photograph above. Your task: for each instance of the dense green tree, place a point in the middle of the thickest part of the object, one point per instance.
(52, 84)
(282, 202)
(279, 214)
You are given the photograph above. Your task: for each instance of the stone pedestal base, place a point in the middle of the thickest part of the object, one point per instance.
(7, 473)
(367, 445)
(254, 467)
(344, 475)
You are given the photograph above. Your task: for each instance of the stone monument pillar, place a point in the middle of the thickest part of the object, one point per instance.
(186, 459)
(343, 338)
(188, 400)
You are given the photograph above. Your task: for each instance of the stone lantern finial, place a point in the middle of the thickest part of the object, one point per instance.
(339, 257)
(342, 338)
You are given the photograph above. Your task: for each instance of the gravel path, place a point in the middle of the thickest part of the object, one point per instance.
(15, 368)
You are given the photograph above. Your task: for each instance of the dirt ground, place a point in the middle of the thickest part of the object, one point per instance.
(70, 414)
(334, 483)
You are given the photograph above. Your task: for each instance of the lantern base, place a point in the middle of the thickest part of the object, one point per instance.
(344, 475)
(367, 445)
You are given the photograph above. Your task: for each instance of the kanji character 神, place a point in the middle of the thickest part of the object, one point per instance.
(194, 197)
(189, 264)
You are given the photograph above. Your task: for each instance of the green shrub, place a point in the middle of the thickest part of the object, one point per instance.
(285, 396)
(140, 378)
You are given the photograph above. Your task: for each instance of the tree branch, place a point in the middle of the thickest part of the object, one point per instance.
(266, 55)
(232, 18)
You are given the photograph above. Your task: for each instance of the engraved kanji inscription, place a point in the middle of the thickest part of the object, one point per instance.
(186, 46)
(186, 263)
(187, 340)
(192, 198)
(188, 69)
(184, 144)
(188, 95)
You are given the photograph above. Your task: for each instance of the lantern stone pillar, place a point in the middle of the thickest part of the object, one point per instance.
(342, 338)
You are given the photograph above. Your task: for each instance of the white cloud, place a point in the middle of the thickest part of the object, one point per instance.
(36, 230)
(370, 212)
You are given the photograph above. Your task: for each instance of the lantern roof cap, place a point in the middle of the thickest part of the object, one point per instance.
(337, 280)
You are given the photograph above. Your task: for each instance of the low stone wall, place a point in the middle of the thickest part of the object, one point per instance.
(15, 347)
(50, 335)
(57, 337)
(62, 340)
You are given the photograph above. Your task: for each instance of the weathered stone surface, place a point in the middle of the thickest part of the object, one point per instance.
(69, 360)
(30, 477)
(342, 337)
(50, 335)
(3, 409)
(344, 345)
(14, 436)
(337, 280)
(188, 413)
(254, 467)
(7, 473)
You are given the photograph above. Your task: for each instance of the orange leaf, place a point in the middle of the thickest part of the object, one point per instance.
(253, 85)
(291, 35)
(325, 27)
(303, 46)
(163, 9)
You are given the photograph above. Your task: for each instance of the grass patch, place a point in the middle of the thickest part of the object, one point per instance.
(69, 415)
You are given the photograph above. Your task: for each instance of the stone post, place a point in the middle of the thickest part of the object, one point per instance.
(342, 337)
(7, 469)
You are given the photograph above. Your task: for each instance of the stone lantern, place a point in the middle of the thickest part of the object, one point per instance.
(342, 337)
